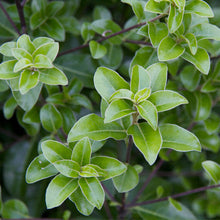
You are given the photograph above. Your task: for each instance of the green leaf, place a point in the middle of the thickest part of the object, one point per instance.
(67, 168)
(6, 48)
(53, 7)
(147, 140)
(74, 87)
(213, 170)
(25, 43)
(111, 167)
(39, 169)
(54, 29)
(82, 152)
(212, 123)
(107, 82)
(118, 109)
(178, 138)
(157, 31)
(142, 95)
(20, 53)
(89, 171)
(140, 79)
(180, 4)
(166, 99)
(7, 70)
(122, 94)
(198, 7)
(200, 60)
(81, 100)
(38, 5)
(169, 49)
(39, 41)
(55, 151)
(155, 7)
(28, 80)
(97, 50)
(85, 126)
(192, 42)
(203, 106)
(175, 204)
(126, 181)
(149, 112)
(59, 189)
(22, 64)
(9, 107)
(175, 18)
(53, 76)
(101, 12)
(42, 61)
(32, 116)
(50, 117)
(86, 31)
(93, 191)
(158, 76)
(37, 19)
(14, 208)
(47, 48)
(82, 204)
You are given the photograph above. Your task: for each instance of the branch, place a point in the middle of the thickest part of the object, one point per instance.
(9, 18)
(137, 42)
(204, 188)
(20, 9)
(112, 35)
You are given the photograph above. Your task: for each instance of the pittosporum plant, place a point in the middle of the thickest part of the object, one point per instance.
(126, 126)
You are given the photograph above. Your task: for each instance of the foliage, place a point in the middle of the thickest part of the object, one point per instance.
(135, 87)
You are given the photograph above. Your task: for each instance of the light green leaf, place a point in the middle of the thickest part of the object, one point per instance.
(55, 151)
(20, 53)
(9, 107)
(28, 80)
(107, 82)
(142, 95)
(93, 191)
(32, 116)
(140, 79)
(178, 138)
(147, 140)
(39, 41)
(67, 168)
(22, 64)
(212, 123)
(118, 109)
(97, 50)
(175, 204)
(158, 76)
(157, 31)
(81, 203)
(38, 5)
(85, 126)
(192, 42)
(7, 70)
(53, 76)
(180, 4)
(122, 94)
(39, 169)
(166, 99)
(126, 181)
(169, 49)
(213, 170)
(42, 61)
(149, 112)
(155, 7)
(89, 171)
(6, 48)
(59, 189)
(111, 167)
(82, 152)
(25, 43)
(101, 12)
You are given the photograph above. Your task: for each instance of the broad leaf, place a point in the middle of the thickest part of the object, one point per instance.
(213, 170)
(180, 4)
(20, 53)
(53, 7)
(7, 70)
(89, 171)
(155, 7)
(39, 41)
(6, 48)
(42, 61)
(9, 107)
(36, 20)
(21, 64)
(212, 123)
(192, 42)
(97, 50)
(25, 43)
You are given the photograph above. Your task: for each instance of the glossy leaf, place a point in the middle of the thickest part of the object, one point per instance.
(213, 170)
(97, 50)
(25, 43)
(212, 123)
(21, 64)
(9, 107)
(155, 7)
(192, 42)
(39, 41)
(20, 53)
(7, 70)
(142, 95)
(122, 94)
(42, 61)
(89, 171)
(6, 48)
(53, 7)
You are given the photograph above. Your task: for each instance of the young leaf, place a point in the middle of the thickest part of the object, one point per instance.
(149, 112)
(97, 50)
(166, 99)
(6, 48)
(39, 169)
(155, 7)
(212, 123)
(82, 152)
(96, 131)
(39, 41)
(7, 70)
(118, 109)
(89, 171)
(107, 82)
(9, 107)
(53, 7)
(147, 140)
(82, 204)
(178, 138)
(158, 76)
(169, 49)
(122, 94)
(20, 53)
(213, 170)
(42, 61)
(126, 181)
(175, 204)
(110, 166)
(25, 43)
(59, 189)
(21, 64)
(180, 4)
(192, 42)
(55, 151)
(142, 95)
(93, 191)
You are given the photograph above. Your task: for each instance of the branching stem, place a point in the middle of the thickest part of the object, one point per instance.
(20, 9)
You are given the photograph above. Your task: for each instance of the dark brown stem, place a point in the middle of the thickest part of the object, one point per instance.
(130, 144)
(23, 3)
(204, 188)
(9, 18)
(20, 9)
(107, 210)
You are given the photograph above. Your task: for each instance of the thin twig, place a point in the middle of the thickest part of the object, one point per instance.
(20, 9)
(200, 189)
(130, 144)
(9, 18)
(138, 42)
(107, 210)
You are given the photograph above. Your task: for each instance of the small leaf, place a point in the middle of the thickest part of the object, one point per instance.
(147, 140)
(20, 53)
(166, 99)
(213, 170)
(53, 7)
(59, 189)
(212, 123)
(82, 152)
(175, 204)
(9, 107)
(42, 61)
(149, 112)
(192, 42)
(180, 4)
(85, 126)
(168, 49)
(89, 171)
(126, 181)
(93, 191)
(21, 64)
(25, 43)
(97, 50)
(7, 70)
(122, 94)
(32, 116)
(6, 48)
(155, 7)
(178, 138)
(55, 151)
(37, 19)
(39, 41)
(39, 169)
(142, 95)
(118, 109)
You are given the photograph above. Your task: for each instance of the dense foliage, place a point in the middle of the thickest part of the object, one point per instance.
(110, 109)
